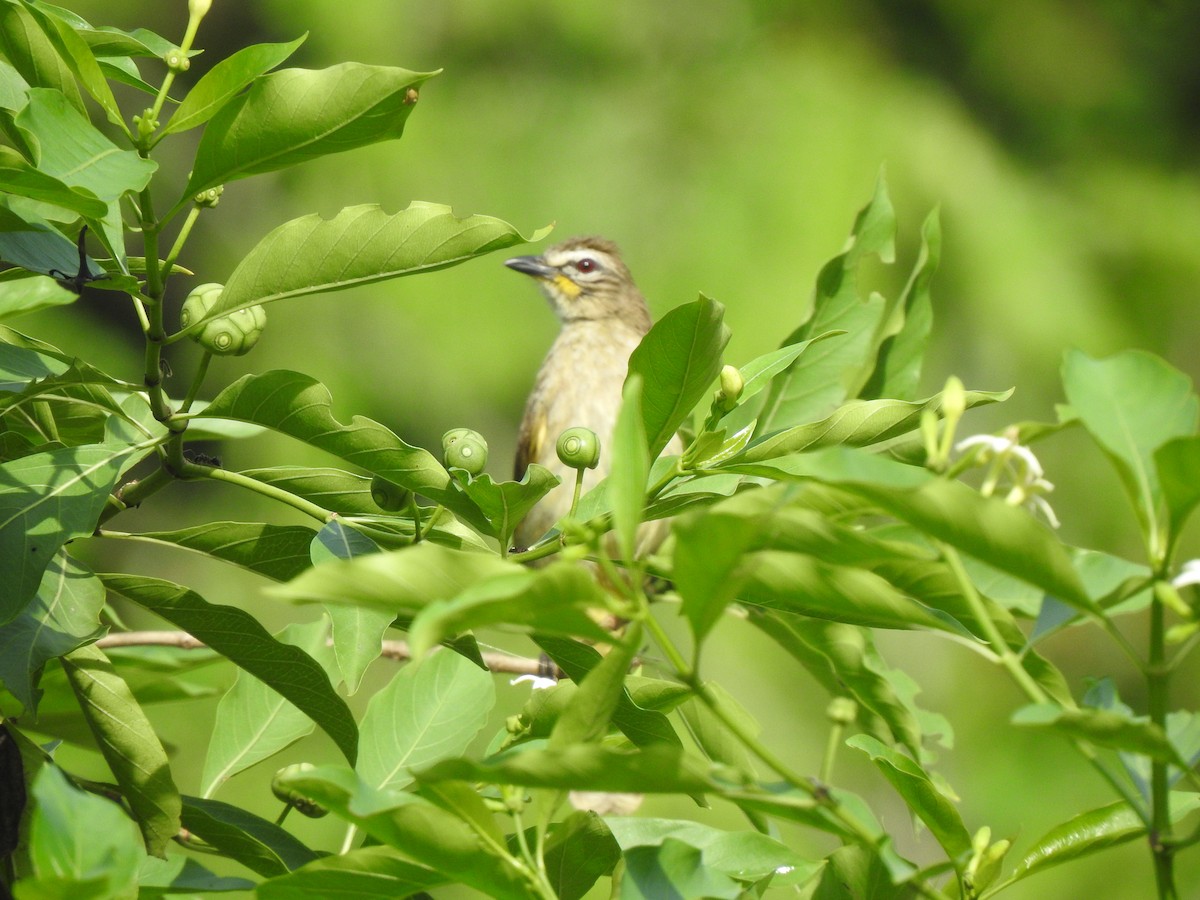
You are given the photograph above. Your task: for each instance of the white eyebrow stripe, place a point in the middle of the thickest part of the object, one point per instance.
(573, 256)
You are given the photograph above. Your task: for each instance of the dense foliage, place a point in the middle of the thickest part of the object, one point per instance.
(819, 499)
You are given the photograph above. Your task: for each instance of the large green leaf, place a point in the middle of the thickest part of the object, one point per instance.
(254, 722)
(295, 115)
(579, 850)
(75, 52)
(239, 637)
(1178, 465)
(29, 241)
(420, 829)
(359, 245)
(643, 725)
(925, 801)
(553, 600)
(26, 293)
(506, 503)
(280, 552)
(337, 490)
(397, 581)
(1131, 404)
(658, 769)
(1106, 727)
(64, 614)
(908, 323)
(429, 711)
(357, 630)
(673, 868)
(20, 178)
(366, 873)
(81, 845)
(744, 855)
(587, 717)
(224, 81)
(831, 372)
(47, 499)
(1088, 833)
(259, 845)
(129, 745)
(300, 407)
(25, 45)
(677, 361)
(857, 423)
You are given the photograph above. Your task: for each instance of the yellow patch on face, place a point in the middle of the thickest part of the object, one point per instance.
(569, 288)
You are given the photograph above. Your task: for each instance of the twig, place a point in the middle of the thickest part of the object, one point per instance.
(398, 650)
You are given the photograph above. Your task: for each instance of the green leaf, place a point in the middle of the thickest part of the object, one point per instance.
(746, 856)
(369, 872)
(181, 875)
(643, 726)
(579, 850)
(1088, 833)
(1003, 536)
(25, 45)
(1178, 465)
(78, 843)
(254, 722)
(28, 293)
(419, 829)
(920, 795)
(854, 871)
(360, 245)
(1108, 728)
(27, 240)
(257, 844)
(396, 581)
(20, 178)
(553, 600)
(280, 552)
(858, 423)
(239, 637)
(64, 614)
(1132, 404)
(833, 371)
(506, 503)
(129, 745)
(357, 631)
(898, 364)
(673, 869)
(656, 769)
(294, 115)
(226, 79)
(300, 407)
(47, 499)
(630, 469)
(806, 585)
(713, 736)
(429, 711)
(678, 360)
(592, 707)
(76, 53)
(336, 490)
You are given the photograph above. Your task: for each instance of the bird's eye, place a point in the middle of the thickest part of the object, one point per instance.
(586, 265)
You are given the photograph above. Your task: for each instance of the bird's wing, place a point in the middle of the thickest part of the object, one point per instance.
(530, 440)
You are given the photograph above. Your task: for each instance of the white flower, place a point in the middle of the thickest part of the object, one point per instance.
(1014, 467)
(537, 682)
(1189, 573)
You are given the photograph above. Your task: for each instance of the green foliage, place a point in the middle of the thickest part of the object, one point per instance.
(818, 497)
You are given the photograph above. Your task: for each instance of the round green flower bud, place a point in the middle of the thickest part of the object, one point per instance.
(290, 796)
(465, 449)
(388, 495)
(578, 448)
(842, 710)
(230, 335)
(732, 383)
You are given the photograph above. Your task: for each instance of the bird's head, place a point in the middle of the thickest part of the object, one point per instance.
(584, 278)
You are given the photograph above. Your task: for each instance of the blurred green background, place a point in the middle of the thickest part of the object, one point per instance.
(726, 146)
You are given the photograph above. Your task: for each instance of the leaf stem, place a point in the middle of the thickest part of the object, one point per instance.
(1158, 684)
(180, 240)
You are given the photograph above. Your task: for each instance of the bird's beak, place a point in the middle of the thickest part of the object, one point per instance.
(532, 265)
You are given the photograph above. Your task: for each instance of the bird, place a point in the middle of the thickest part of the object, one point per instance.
(603, 318)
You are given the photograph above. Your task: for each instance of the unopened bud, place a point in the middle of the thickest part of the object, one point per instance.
(732, 383)
(198, 9)
(954, 399)
(841, 710)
